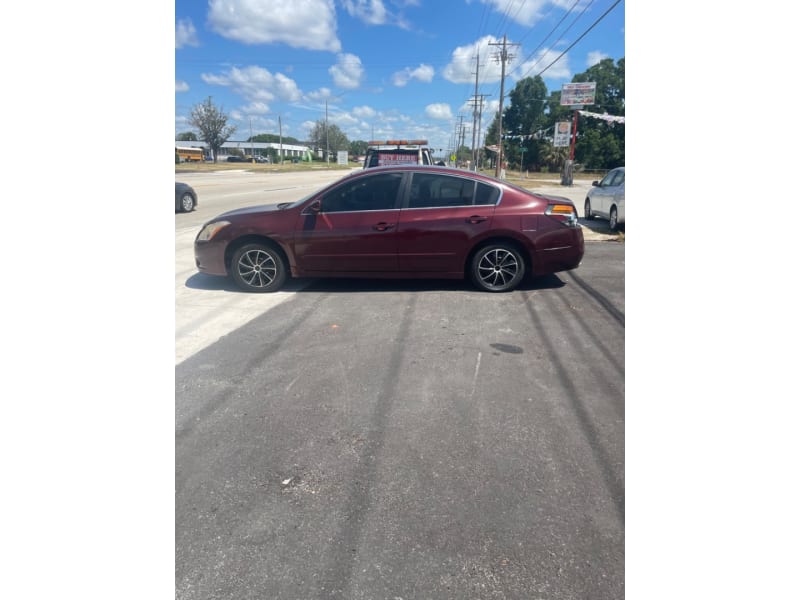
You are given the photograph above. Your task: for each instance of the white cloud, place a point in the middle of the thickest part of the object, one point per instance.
(439, 111)
(595, 57)
(535, 66)
(364, 112)
(347, 72)
(181, 86)
(320, 94)
(256, 108)
(525, 13)
(372, 12)
(461, 68)
(343, 120)
(422, 73)
(256, 84)
(309, 24)
(185, 34)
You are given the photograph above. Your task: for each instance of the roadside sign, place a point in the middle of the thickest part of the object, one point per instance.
(562, 135)
(578, 93)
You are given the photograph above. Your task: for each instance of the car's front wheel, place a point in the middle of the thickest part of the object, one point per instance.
(258, 268)
(187, 202)
(612, 219)
(497, 268)
(587, 210)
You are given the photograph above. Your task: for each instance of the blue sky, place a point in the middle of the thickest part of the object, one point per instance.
(385, 68)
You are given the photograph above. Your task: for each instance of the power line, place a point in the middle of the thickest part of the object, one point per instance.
(552, 31)
(572, 45)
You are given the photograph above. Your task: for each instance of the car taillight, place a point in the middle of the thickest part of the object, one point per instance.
(566, 213)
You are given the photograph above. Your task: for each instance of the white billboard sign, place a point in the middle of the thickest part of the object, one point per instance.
(575, 94)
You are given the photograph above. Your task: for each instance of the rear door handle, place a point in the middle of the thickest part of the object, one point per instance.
(383, 226)
(477, 219)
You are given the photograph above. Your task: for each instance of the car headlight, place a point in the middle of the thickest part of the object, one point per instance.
(210, 230)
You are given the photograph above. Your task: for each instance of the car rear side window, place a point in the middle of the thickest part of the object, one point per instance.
(377, 192)
(431, 190)
(486, 194)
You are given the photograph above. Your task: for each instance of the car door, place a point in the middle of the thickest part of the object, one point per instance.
(607, 190)
(351, 227)
(441, 217)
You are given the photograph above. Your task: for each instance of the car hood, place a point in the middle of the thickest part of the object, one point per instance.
(250, 210)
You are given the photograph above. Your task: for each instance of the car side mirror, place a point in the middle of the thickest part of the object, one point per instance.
(314, 208)
(595, 183)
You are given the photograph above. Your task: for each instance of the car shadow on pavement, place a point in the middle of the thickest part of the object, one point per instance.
(598, 226)
(201, 281)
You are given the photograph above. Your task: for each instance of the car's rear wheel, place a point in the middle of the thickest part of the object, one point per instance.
(497, 268)
(187, 202)
(587, 210)
(258, 268)
(612, 219)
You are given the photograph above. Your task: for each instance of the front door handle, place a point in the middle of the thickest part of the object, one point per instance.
(477, 219)
(383, 226)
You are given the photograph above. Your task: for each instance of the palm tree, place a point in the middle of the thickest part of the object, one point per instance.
(554, 156)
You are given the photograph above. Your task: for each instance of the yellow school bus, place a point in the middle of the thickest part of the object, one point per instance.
(185, 154)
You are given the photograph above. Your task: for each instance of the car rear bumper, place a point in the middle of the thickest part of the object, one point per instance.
(559, 251)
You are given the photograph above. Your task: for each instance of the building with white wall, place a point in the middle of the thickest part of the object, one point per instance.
(255, 148)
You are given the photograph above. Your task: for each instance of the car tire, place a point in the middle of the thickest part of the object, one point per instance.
(258, 268)
(587, 210)
(612, 219)
(497, 268)
(187, 203)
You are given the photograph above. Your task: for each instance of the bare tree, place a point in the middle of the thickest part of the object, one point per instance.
(212, 123)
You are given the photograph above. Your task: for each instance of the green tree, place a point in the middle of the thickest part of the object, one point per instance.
(328, 137)
(601, 144)
(358, 148)
(186, 136)
(212, 123)
(523, 119)
(552, 157)
(271, 138)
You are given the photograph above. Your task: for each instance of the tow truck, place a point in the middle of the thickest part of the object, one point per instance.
(397, 152)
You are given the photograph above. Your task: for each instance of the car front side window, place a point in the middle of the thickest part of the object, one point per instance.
(378, 192)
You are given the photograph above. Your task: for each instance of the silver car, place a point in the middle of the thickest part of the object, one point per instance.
(606, 199)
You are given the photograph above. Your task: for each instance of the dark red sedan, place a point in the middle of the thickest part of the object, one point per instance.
(397, 222)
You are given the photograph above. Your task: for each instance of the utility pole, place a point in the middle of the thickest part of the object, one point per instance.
(457, 136)
(252, 150)
(280, 138)
(326, 131)
(503, 57)
(477, 103)
(475, 112)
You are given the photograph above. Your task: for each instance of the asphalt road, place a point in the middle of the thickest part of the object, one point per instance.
(407, 439)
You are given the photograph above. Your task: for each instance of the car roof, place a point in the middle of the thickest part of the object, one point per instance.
(431, 168)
